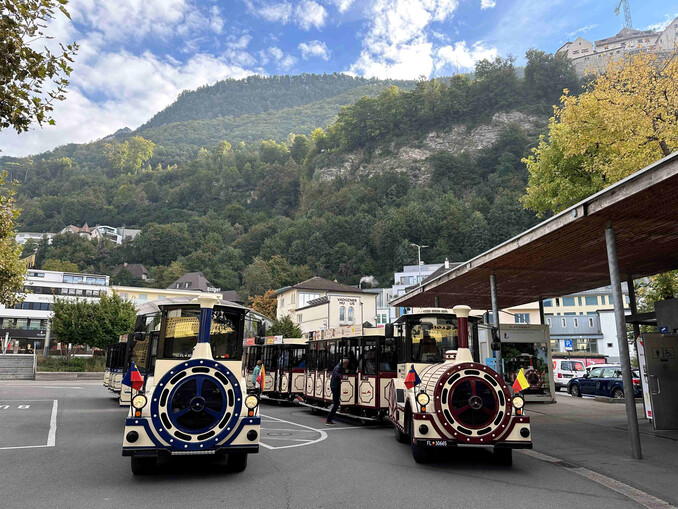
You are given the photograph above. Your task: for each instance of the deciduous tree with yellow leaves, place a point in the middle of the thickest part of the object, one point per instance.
(626, 119)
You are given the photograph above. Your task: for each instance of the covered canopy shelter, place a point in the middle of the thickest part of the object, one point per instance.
(629, 230)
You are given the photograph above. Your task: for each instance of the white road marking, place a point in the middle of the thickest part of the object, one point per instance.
(322, 433)
(51, 437)
(644, 499)
(290, 439)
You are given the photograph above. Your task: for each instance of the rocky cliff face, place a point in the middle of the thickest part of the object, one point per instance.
(413, 159)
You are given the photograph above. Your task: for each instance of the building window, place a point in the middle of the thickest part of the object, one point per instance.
(282, 302)
(592, 301)
(548, 303)
(142, 297)
(305, 298)
(123, 296)
(293, 298)
(591, 322)
(609, 345)
(548, 322)
(36, 274)
(563, 322)
(299, 318)
(342, 314)
(350, 314)
(610, 300)
(522, 317)
(557, 301)
(575, 321)
(580, 301)
(568, 301)
(411, 280)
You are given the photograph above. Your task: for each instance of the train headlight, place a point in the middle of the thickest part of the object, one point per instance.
(139, 401)
(518, 402)
(251, 401)
(423, 399)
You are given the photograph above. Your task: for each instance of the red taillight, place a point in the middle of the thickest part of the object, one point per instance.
(560, 375)
(636, 381)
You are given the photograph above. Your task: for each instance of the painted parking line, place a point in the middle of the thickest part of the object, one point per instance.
(644, 499)
(51, 436)
(302, 443)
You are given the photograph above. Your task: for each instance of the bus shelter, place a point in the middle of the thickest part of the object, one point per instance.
(624, 232)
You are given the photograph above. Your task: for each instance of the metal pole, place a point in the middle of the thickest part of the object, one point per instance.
(620, 322)
(634, 306)
(495, 315)
(541, 311)
(48, 333)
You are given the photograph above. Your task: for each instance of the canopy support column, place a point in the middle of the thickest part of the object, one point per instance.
(495, 316)
(620, 322)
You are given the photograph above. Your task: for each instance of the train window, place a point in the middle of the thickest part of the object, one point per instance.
(181, 334)
(431, 337)
(312, 360)
(388, 355)
(140, 351)
(368, 357)
(298, 358)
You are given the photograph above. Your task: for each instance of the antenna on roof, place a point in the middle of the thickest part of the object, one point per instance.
(627, 13)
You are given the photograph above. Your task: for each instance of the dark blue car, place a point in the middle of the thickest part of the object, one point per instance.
(604, 381)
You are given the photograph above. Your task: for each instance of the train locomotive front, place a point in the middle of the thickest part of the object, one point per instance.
(443, 399)
(196, 403)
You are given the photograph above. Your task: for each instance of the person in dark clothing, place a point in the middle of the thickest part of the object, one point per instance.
(335, 385)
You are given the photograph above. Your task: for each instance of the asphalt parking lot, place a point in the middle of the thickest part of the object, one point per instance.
(68, 454)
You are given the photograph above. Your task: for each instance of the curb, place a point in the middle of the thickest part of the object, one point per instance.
(68, 375)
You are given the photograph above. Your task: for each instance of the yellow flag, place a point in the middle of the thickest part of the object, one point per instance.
(521, 382)
(262, 373)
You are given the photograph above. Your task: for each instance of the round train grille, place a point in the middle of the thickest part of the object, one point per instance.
(197, 404)
(473, 403)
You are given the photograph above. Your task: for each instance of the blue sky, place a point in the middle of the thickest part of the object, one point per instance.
(137, 55)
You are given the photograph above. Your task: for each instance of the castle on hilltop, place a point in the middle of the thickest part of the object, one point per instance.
(594, 57)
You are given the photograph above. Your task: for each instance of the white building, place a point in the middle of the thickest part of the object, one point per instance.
(594, 57)
(318, 304)
(26, 322)
(22, 237)
(117, 235)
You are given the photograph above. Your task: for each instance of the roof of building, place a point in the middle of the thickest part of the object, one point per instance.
(78, 229)
(136, 269)
(567, 253)
(232, 296)
(197, 282)
(626, 33)
(322, 284)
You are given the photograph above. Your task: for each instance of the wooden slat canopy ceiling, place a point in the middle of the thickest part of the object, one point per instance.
(567, 253)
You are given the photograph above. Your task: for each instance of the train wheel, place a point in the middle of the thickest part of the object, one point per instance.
(236, 462)
(503, 457)
(143, 466)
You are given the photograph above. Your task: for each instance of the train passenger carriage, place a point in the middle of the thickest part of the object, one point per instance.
(441, 398)
(372, 366)
(117, 365)
(193, 400)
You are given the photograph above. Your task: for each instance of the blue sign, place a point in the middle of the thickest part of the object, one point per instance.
(568, 344)
(491, 362)
(664, 330)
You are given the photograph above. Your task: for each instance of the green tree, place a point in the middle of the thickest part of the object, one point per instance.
(161, 244)
(60, 265)
(130, 155)
(285, 327)
(166, 275)
(12, 269)
(97, 324)
(300, 148)
(31, 80)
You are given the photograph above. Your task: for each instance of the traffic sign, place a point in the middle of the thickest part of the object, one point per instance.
(663, 330)
(568, 344)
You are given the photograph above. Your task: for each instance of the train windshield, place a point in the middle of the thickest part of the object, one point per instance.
(180, 333)
(431, 337)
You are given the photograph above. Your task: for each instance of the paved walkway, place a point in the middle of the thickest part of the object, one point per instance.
(594, 435)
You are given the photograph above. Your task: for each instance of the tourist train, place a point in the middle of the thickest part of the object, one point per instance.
(441, 398)
(187, 394)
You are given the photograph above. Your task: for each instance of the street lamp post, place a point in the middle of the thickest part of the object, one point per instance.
(419, 248)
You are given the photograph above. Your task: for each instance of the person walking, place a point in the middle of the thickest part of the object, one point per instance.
(335, 385)
(255, 376)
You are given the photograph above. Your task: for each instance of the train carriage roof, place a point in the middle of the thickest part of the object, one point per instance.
(155, 306)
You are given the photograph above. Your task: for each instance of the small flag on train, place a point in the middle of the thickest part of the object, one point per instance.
(133, 378)
(262, 378)
(412, 378)
(521, 382)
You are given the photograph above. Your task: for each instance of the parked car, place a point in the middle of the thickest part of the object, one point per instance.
(591, 366)
(566, 369)
(603, 381)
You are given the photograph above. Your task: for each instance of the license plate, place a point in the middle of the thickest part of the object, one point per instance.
(436, 443)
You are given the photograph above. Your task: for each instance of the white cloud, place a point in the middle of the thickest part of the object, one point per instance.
(487, 4)
(342, 5)
(581, 30)
(458, 57)
(282, 61)
(314, 49)
(112, 87)
(306, 14)
(396, 44)
(661, 26)
(309, 13)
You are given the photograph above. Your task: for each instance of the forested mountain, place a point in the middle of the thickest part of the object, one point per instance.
(258, 94)
(261, 215)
